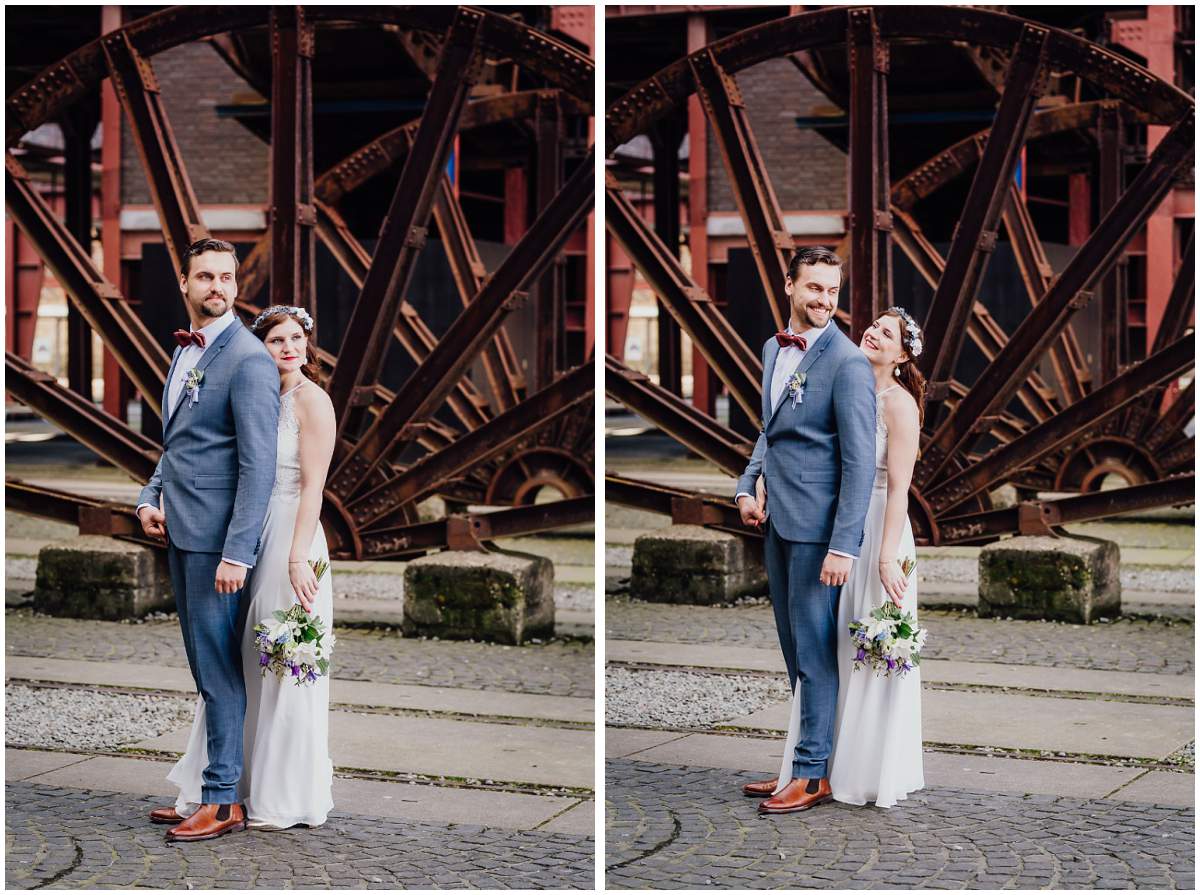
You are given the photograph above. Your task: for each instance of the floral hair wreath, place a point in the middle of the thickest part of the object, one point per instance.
(915, 346)
(300, 314)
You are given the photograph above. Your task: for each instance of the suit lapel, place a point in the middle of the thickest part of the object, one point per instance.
(810, 358)
(210, 354)
(166, 399)
(768, 378)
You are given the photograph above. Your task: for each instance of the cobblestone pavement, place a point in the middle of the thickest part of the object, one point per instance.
(673, 827)
(1123, 645)
(70, 838)
(556, 668)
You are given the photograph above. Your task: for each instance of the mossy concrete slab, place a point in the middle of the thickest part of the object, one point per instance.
(1057, 579)
(465, 595)
(102, 578)
(693, 564)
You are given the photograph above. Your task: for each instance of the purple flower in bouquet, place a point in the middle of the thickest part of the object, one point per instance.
(264, 660)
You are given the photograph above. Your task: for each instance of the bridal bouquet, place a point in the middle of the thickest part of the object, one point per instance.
(293, 643)
(888, 640)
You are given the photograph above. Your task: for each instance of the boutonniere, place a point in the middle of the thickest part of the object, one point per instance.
(192, 384)
(796, 387)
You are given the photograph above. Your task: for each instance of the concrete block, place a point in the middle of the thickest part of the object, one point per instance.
(98, 577)
(693, 564)
(1057, 579)
(459, 595)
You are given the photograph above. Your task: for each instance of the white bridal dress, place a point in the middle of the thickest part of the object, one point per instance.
(287, 776)
(877, 731)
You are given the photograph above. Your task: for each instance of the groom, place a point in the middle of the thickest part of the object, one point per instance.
(816, 453)
(208, 497)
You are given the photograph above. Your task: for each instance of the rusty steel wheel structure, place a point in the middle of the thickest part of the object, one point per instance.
(391, 451)
(1011, 424)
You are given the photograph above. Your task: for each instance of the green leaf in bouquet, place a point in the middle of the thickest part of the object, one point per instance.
(323, 665)
(279, 615)
(903, 631)
(309, 635)
(319, 567)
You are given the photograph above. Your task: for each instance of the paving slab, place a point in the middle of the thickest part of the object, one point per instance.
(503, 752)
(1009, 720)
(578, 820)
(1160, 788)
(23, 764)
(996, 674)
(620, 742)
(143, 776)
(342, 692)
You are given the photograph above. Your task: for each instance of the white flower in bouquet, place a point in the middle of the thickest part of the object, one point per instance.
(879, 626)
(902, 649)
(280, 632)
(306, 654)
(921, 635)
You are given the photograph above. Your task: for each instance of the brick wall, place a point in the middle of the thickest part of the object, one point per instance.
(227, 164)
(808, 174)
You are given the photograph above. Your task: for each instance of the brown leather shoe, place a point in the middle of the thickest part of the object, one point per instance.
(205, 824)
(794, 797)
(165, 816)
(761, 789)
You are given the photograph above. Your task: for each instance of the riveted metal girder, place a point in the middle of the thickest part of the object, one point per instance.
(975, 236)
(94, 517)
(1003, 375)
(133, 80)
(101, 304)
(429, 384)
(709, 329)
(770, 242)
(679, 419)
(719, 512)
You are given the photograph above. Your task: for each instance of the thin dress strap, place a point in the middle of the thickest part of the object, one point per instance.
(292, 389)
(877, 394)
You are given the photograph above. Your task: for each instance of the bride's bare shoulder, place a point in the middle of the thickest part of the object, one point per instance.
(312, 402)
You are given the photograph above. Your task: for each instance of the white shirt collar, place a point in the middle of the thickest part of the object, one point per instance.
(214, 329)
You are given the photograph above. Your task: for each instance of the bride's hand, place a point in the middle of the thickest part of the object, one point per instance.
(304, 583)
(894, 582)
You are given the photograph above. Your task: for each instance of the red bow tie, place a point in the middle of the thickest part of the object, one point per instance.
(189, 337)
(785, 339)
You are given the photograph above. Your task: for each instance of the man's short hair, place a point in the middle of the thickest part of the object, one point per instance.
(811, 255)
(206, 245)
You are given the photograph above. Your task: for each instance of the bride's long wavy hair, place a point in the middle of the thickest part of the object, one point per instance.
(277, 314)
(907, 374)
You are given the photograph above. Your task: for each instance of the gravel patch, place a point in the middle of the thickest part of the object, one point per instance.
(57, 717)
(655, 699)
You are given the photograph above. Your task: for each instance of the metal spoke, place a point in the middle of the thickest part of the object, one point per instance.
(769, 240)
(999, 381)
(100, 302)
(429, 384)
(675, 416)
(975, 235)
(709, 329)
(403, 234)
(132, 77)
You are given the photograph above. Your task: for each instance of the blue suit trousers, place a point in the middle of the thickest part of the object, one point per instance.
(212, 626)
(806, 619)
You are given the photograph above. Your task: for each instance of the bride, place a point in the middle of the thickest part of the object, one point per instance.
(287, 775)
(877, 729)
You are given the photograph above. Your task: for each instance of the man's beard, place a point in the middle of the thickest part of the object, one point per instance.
(204, 309)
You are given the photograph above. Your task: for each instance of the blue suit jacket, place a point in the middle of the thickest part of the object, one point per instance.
(818, 458)
(217, 468)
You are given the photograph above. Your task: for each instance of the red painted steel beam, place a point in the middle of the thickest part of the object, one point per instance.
(1168, 426)
(79, 417)
(436, 376)
(1106, 401)
(679, 419)
(403, 540)
(546, 295)
(1114, 324)
(997, 384)
(137, 89)
(769, 240)
(292, 214)
(719, 512)
(101, 304)
(488, 441)
(975, 235)
(870, 212)
(691, 307)
(368, 333)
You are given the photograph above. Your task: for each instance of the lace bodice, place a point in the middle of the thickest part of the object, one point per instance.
(881, 439)
(287, 458)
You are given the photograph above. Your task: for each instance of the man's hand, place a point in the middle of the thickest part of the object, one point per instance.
(230, 578)
(752, 513)
(154, 523)
(760, 492)
(835, 569)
